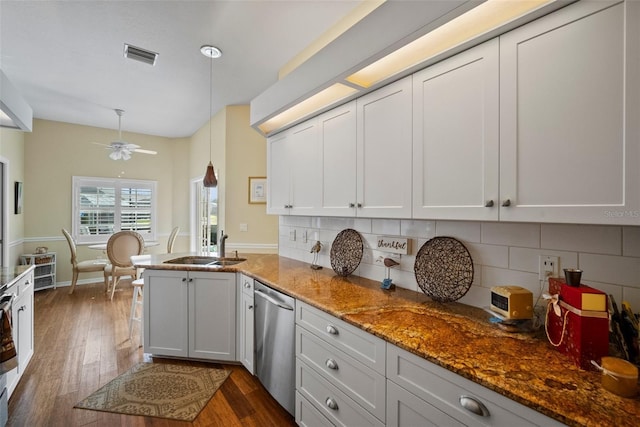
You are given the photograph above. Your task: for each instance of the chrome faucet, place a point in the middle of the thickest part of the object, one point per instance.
(221, 244)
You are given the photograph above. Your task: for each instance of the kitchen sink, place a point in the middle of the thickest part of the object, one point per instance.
(199, 260)
(229, 261)
(205, 260)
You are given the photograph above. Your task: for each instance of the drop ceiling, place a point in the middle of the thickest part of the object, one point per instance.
(66, 58)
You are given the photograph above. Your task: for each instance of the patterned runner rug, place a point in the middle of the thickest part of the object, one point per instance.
(177, 392)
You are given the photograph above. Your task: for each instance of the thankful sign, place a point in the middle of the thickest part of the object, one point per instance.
(394, 245)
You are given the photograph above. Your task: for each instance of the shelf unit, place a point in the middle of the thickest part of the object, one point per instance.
(45, 271)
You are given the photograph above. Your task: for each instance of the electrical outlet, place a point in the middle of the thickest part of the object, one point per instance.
(548, 266)
(292, 235)
(244, 227)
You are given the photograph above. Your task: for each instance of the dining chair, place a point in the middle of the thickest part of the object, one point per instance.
(121, 246)
(172, 239)
(88, 266)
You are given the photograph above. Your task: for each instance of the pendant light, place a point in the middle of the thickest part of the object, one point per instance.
(211, 52)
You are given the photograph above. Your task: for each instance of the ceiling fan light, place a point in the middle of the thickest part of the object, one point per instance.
(210, 179)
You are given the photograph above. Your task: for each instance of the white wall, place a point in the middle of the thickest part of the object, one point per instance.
(502, 253)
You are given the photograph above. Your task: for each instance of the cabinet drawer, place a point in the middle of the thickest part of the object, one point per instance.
(405, 409)
(330, 401)
(246, 284)
(357, 343)
(360, 382)
(443, 389)
(307, 415)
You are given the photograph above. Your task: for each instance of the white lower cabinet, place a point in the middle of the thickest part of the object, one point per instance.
(190, 314)
(417, 387)
(246, 329)
(22, 317)
(348, 377)
(307, 415)
(405, 409)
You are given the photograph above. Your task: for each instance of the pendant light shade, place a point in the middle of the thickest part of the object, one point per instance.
(210, 179)
(211, 52)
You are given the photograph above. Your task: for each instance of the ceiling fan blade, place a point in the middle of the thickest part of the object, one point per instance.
(99, 143)
(115, 155)
(126, 155)
(140, 150)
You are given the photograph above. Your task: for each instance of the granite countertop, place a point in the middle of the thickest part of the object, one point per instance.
(8, 275)
(521, 366)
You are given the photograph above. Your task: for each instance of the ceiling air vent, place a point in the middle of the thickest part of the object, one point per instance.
(139, 54)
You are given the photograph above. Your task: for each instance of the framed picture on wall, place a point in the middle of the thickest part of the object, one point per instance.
(257, 189)
(18, 197)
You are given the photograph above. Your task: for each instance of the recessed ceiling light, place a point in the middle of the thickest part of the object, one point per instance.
(211, 51)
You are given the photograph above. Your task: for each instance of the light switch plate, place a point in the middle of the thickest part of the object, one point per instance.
(244, 227)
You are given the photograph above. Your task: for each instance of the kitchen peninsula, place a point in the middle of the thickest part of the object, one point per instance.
(456, 337)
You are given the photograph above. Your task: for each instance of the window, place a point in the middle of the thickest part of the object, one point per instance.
(206, 218)
(102, 206)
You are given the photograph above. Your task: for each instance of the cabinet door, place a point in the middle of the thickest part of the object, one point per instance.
(278, 174)
(247, 332)
(304, 165)
(212, 315)
(24, 321)
(455, 137)
(165, 312)
(384, 152)
(569, 102)
(405, 409)
(337, 140)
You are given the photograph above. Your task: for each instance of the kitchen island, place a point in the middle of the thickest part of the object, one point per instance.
(520, 366)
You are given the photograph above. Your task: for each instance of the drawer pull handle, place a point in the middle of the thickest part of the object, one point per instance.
(473, 405)
(331, 364)
(331, 404)
(247, 285)
(506, 203)
(332, 330)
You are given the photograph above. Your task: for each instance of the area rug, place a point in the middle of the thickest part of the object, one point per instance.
(177, 392)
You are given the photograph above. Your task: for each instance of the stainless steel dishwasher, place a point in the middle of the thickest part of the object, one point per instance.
(275, 344)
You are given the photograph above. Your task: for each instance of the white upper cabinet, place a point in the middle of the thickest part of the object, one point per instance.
(456, 136)
(293, 171)
(569, 116)
(384, 152)
(337, 141)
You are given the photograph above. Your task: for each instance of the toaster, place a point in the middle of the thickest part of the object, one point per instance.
(512, 302)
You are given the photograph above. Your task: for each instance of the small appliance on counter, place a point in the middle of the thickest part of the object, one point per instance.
(512, 302)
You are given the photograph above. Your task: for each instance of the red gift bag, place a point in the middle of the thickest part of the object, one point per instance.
(581, 331)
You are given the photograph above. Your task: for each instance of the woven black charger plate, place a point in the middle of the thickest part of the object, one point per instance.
(444, 269)
(346, 252)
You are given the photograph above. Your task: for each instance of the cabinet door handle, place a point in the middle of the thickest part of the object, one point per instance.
(332, 330)
(184, 279)
(250, 307)
(247, 284)
(506, 203)
(331, 364)
(331, 404)
(489, 204)
(23, 308)
(352, 205)
(472, 404)
(190, 279)
(359, 205)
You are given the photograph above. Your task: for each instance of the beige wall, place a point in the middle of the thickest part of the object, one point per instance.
(55, 152)
(246, 156)
(12, 152)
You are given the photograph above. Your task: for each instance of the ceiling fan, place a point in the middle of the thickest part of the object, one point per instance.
(121, 149)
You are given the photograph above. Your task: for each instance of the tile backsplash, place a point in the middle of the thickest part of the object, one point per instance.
(502, 253)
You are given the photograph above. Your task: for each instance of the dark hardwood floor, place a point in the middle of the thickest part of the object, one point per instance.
(82, 342)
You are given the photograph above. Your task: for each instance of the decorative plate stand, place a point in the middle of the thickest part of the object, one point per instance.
(346, 252)
(444, 269)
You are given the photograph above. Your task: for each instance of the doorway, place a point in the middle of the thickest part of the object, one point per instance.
(204, 217)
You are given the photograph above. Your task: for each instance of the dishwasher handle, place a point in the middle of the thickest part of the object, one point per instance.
(273, 300)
